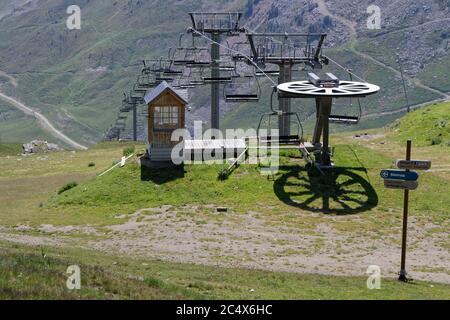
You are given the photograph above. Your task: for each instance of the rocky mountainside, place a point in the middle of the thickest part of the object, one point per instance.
(76, 77)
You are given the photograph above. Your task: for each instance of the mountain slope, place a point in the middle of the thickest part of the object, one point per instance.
(76, 78)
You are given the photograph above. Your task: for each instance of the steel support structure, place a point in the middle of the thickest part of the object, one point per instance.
(215, 86)
(216, 24)
(286, 60)
(134, 122)
(322, 129)
(284, 104)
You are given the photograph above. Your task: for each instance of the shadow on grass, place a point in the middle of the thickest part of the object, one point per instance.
(161, 175)
(340, 191)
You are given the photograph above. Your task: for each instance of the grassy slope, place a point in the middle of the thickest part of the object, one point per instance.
(10, 149)
(33, 273)
(26, 184)
(384, 47)
(19, 128)
(435, 126)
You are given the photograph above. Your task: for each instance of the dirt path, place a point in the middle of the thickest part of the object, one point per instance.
(43, 121)
(412, 27)
(405, 109)
(11, 78)
(200, 235)
(416, 82)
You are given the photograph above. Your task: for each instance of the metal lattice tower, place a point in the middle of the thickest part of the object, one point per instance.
(286, 50)
(216, 25)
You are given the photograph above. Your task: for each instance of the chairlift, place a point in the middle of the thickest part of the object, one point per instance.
(263, 73)
(242, 89)
(208, 80)
(138, 89)
(120, 123)
(190, 57)
(196, 82)
(346, 119)
(219, 79)
(146, 81)
(127, 104)
(195, 77)
(136, 97)
(180, 84)
(289, 140)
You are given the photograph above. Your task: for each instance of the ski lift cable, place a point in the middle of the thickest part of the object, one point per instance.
(347, 70)
(333, 61)
(235, 51)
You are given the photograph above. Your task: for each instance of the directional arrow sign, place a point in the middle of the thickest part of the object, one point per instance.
(399, 175)
(401, 184)
(414, 164)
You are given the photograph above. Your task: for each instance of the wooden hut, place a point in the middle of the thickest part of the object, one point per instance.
(166, 113)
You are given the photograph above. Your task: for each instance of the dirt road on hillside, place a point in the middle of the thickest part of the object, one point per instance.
(43, 121)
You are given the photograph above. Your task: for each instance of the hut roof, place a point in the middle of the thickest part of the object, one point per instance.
(151, 96)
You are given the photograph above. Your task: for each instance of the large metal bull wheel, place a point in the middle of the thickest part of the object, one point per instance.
(345, 89)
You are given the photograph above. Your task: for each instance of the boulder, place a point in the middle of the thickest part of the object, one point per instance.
(39, 146)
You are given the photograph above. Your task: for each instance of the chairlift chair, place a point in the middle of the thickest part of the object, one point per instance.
(136, 97)
(195, 77)
(127, 105)
(234, 91)
(208, 80)
(138, 89)
(263, 73)
(220, 79)
(346, 119)
(199, 57)
(289, 140)
(146, 81)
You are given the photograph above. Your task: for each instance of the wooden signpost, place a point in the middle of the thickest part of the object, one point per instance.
(406, 180)
(401, 184)
(413, 164)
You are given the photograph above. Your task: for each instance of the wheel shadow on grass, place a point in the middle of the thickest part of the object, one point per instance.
(339, 190)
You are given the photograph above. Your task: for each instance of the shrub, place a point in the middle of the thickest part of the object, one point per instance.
(128, 151)
(436, 140)
(223, 174)
(91, 164)
(67, 187)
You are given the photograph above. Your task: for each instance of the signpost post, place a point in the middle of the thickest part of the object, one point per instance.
(406, 180)
(402, 276)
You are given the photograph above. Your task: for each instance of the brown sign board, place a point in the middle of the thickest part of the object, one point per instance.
(401, 184)
(414, 164)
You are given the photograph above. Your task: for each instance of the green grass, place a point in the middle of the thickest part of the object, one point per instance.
(357, 205)
(10, 149)
(354, 187)
(27, 182)
(426, 126)
(16, 127)
(40, 273)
